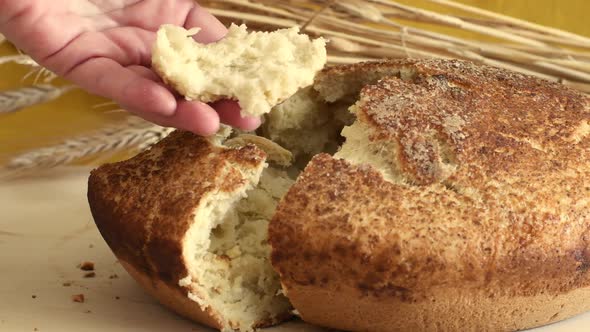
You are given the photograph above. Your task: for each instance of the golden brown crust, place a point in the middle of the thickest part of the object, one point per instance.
(169, 296)
(350, 227)
(458, 309)
(486, 117)
(493, 197)
(144, 206)
(339, 82)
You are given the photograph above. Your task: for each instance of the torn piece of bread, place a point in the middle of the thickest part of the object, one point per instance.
(258, 69)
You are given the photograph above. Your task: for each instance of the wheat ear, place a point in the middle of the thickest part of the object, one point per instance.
(134, 134)
(18, 99)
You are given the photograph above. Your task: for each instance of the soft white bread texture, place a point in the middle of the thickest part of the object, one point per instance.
(306, 125)
(258, 69)
(456, 200)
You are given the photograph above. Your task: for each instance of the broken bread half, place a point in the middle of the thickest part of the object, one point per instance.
(188, 219)
(452, 197)
(258, 69)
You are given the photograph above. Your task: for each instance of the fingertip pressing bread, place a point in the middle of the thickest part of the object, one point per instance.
(258, 69)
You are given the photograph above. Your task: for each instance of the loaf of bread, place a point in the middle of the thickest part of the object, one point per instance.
(258, 69)
(451, 197)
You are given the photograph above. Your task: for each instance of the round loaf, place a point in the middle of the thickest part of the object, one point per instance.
(457, 197)
(459, 201)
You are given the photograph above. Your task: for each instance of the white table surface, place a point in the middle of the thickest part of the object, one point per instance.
(46, 230)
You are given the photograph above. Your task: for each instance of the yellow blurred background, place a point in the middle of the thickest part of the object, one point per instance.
(77, 112)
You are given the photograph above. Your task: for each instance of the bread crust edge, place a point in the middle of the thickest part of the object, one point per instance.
(173, 298)
(445, 310)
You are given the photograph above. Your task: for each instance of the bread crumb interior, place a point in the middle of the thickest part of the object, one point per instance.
(232, 256)
(360, 150)
(306, 125)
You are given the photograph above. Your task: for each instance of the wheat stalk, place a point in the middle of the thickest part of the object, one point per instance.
(18, 99)
(133, 134)
(21, 59)
(580, 70)
(516, 22)
(39, 72)
(2, 39)
(458, 23)
(262, 8)
(361, 9)
(25, 60)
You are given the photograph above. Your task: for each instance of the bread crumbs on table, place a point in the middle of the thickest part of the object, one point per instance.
(117, 298)
(90, 275)
(86, 266)
(78, 298)
(34, 296)
(113, 276)
(67, 284)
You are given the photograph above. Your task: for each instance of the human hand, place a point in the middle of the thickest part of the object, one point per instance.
(104, 46)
